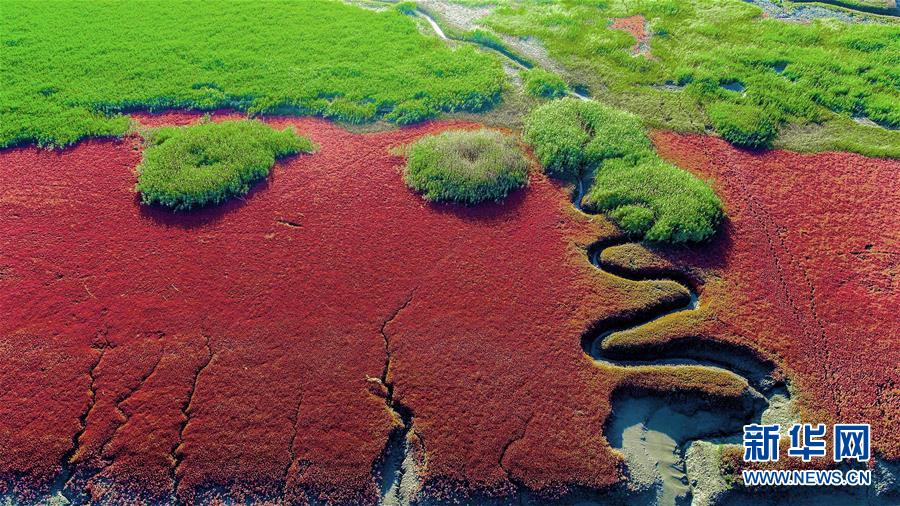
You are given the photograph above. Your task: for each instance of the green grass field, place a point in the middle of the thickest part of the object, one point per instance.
(731, 69)
(70, 68)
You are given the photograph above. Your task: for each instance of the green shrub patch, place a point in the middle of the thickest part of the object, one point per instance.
(744, 126)
(647, 197)
(466, 166)
(208, 163)
(542, 83)
(571, 136)
(655, 200)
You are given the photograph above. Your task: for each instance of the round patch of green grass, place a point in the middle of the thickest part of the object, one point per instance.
(208, 163)
(466, 166)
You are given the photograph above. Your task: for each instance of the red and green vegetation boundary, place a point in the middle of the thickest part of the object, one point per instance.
(808, 281)
(208, 163)
(69, 74)
(143, 345)
(260, 338)
(180, 338)
(591, 143)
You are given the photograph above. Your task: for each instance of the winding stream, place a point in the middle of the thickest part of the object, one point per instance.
(434, 26)
(657, 433)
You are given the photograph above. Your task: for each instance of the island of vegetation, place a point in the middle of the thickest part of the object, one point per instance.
(208, 163)
(647, 197)
(466, 166)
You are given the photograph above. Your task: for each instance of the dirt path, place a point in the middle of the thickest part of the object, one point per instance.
(846, 13)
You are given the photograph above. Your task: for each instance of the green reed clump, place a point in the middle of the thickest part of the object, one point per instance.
(572, 137)
(647, 197)
(466, 166)
(209, 163)
(542, 83)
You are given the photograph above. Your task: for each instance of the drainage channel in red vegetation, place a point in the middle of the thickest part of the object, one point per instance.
(272, 346)
(807, 268)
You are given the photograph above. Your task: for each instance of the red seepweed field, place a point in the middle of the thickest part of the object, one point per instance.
(272, 346)
(240, 349)
(440, 252)
(806, 271)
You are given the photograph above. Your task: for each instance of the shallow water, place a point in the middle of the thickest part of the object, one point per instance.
(735, 86)
(653, 433)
